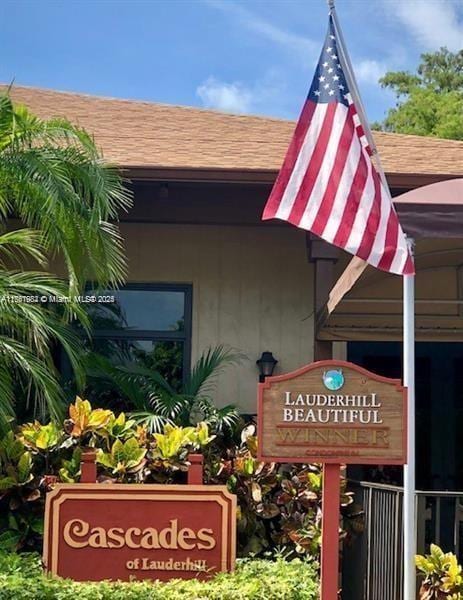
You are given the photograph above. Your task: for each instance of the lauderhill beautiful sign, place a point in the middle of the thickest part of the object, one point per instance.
(129, 532)
(332, 412)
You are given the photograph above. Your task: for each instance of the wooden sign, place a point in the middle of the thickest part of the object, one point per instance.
(332, 412)
(128, 532)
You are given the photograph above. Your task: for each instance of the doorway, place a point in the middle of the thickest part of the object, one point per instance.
(439, 407)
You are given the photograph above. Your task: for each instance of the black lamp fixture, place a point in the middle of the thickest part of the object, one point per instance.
(266, 364)
(163, 192)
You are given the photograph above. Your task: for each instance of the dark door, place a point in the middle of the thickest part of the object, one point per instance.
(439, 406)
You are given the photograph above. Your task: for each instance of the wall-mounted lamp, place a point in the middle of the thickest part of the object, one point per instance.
(266, 364)
(163, 192)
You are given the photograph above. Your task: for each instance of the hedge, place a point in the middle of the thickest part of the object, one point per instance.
(254, 579)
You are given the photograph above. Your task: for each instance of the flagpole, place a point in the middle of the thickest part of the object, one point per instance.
(409, 516)
(409, 505)
(353, 87)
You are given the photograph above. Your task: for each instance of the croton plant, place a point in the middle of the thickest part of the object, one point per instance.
(441, 575)
(279, 506)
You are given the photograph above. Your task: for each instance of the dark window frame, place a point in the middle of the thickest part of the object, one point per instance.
(155, 334)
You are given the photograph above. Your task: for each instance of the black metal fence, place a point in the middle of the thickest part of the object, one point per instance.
(372, 560)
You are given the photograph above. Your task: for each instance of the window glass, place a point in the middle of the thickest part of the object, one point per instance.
(138, 309)
(163, 356)
(147, 325)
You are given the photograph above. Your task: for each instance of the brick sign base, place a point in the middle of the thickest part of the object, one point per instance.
(129, 532)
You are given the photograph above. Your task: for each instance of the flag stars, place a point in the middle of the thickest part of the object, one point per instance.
(338, 65)
(333, 37)
(336, 77)
(322, 78)
(334, 57)
(341, 87)
(329, 49)
(317, 92)
(326, 86)
(331, 92)
(330, 70)
(325, 64)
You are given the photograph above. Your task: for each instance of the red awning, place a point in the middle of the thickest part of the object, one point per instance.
(432, 211)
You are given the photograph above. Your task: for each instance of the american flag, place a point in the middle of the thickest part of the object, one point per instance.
(328, 183)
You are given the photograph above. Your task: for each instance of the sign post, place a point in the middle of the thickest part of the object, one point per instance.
(330, 531)
(332, 412)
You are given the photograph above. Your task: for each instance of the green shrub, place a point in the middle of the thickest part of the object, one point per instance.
(279, 505)
(254, 579)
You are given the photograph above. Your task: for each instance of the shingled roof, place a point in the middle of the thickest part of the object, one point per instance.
(150, 135)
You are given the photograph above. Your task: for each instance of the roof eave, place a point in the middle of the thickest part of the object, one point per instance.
(256, 176)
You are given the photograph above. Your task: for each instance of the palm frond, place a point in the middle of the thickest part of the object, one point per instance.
(206, 370)
(37, 372)
(154, 423)
(6, 398)
(28, 331)
(170, 406)
(218, 419)
(156, 402)
(19, 245)
(101, 369)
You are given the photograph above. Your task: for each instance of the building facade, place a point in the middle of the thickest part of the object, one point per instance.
(205, 271)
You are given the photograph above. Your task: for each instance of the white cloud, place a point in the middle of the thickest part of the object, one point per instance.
(369, 71)
(229, 97)
(260, 97)
(297, 44)
(433, 23)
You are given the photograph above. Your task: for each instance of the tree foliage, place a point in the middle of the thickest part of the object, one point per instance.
(63, 199)
(430, 101)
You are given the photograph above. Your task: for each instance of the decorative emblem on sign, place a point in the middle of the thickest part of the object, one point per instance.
(333, 380)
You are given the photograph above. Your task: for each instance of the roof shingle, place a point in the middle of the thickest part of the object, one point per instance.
(143, 134)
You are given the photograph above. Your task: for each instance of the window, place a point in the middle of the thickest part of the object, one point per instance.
(149, 324)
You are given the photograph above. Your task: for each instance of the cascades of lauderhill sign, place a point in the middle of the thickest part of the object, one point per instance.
(332, 412)
(128, 532)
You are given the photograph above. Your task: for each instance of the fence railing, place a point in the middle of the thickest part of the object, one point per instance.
(372, 561)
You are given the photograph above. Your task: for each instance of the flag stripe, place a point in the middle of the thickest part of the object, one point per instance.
(364, 208)
(300, 166)
(402, 261)
(326, 205)
(352, 203)
(290, 160)
(347, 177)
(380, 235)
(371, 227)
(323, 154)
(390, 244)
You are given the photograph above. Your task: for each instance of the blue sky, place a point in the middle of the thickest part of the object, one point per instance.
(253, 56)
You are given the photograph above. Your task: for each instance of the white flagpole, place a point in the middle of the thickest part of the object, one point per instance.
(409, 506)
(409, 516)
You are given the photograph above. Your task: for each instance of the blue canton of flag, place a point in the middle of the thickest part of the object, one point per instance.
(329, 83)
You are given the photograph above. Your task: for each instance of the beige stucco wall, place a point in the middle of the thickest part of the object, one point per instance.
(252, 290)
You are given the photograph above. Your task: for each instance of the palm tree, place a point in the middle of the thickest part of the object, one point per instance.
(54, 182)
(155, 402)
